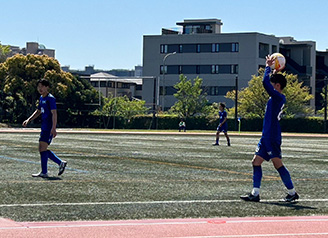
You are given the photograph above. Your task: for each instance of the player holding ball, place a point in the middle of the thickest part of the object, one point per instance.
(269, 146)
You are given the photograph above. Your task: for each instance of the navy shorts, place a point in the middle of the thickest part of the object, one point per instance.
(45, 137)
(223, 128)
(268, 149)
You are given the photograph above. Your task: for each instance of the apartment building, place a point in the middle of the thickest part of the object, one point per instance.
(201, 49)
(32, 48)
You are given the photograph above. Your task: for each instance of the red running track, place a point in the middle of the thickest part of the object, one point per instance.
(277, 227)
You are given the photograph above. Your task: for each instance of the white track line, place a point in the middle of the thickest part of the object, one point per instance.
(152, 202)
(257, 235)
(123, 223)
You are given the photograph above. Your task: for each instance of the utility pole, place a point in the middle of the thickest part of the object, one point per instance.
(236, 103)
(325, 105)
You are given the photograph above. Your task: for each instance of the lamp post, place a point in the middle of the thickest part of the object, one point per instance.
(164, 59)
(236, 103)
(325, 105)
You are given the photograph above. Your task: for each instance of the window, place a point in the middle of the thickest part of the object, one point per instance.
(274, 49)
(164, 49)
(180, 48)
(213, 90)
(213, 69)
(170, 90)
(161, 69)
(223, 90)
(197, 69)
(103, 84)
(234, 69)
(180, 69)
(263, 50)
(235, 47)
(125, 85)
(224, 69)
(139, 87)
(215, 47)
(198, 48)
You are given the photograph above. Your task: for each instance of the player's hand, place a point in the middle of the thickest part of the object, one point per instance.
(24, 124)
(53, 132)
(269, 60)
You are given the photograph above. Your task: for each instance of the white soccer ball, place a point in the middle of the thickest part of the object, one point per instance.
(279, 61)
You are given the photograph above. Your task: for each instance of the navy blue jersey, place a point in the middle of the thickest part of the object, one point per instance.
(271, 126)
(222, 115)
(46, 104)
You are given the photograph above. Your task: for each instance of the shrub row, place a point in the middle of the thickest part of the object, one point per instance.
(309, 125)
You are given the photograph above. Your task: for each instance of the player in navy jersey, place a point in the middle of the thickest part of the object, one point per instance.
(269, 146)
(223, 126)
(48, 111)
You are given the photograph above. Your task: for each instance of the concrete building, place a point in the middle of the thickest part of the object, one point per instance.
(203, 50)
(32, 48)
(321, 76)
(110, 85)
(301, 60)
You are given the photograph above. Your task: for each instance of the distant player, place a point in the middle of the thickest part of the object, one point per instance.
(47, 108)
(182, 125)
(223, 126)
(269, 146)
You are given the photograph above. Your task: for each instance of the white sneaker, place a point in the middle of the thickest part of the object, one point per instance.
(42, 175)
(62, 167)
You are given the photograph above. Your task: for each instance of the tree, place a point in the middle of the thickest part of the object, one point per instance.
(324, 103)
(19, 76)
(252, 100)
(190, 96)
(121, 107)
(4, 52)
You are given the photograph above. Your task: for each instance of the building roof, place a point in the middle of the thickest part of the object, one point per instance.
(109, 77)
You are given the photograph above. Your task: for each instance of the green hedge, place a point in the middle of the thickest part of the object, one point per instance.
(314, 125)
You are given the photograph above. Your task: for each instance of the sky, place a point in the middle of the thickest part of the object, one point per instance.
(109, 33)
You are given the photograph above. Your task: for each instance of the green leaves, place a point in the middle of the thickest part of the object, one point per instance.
(252, 100)
(18, 80)
(190, 96)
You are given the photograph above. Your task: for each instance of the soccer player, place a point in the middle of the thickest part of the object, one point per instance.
(223, 126)
(47, 108)
(182, 126)
(269, 146)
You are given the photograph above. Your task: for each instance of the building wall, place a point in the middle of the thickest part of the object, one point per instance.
(247, 58)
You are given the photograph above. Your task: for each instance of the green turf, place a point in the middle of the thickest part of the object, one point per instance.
(113, 168)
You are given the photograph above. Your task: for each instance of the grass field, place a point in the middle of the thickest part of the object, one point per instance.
(126, 176)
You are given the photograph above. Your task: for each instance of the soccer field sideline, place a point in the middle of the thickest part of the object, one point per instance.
(155, 132)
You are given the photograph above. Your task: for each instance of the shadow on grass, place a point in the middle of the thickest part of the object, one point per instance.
(294, 205)
(52, 178)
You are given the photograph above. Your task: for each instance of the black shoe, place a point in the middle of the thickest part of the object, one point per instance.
(215, 144)
(62, 167)
(229, 143)
(250, 198)
(291, 198)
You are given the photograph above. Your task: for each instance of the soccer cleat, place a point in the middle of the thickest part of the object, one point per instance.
(215, 144)
(250, 198)
(291, 198)
(62, 167)
(40, 174)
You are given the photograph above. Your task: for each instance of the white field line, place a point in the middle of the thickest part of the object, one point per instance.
(127, 223)
(148, 202)
(259, 235)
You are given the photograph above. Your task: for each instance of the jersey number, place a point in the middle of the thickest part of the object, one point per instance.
(279, 115)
